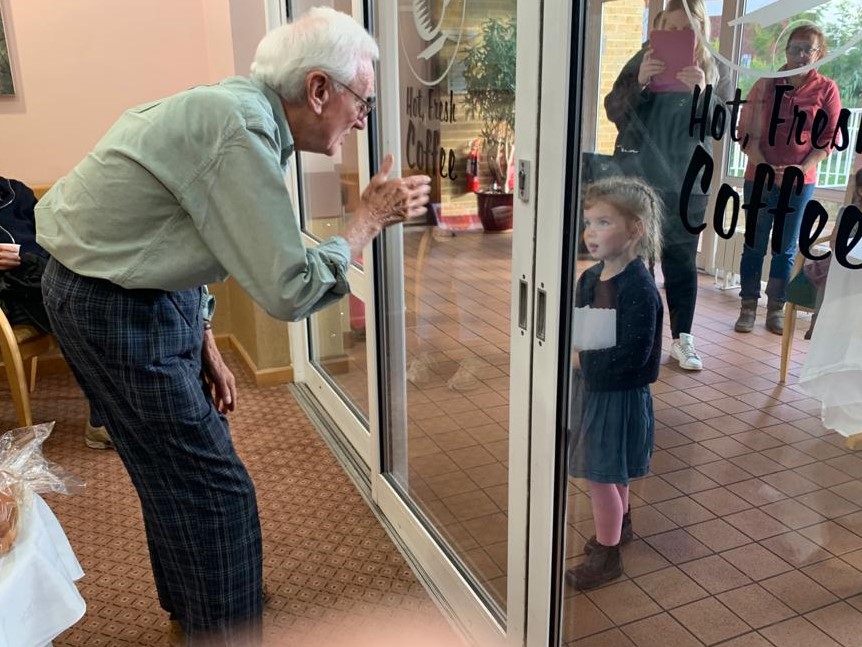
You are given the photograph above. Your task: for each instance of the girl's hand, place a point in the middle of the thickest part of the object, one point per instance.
(576, 359)
(692, 76)
(649, 68)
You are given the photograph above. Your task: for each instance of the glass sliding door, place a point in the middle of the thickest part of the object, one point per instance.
(747, 514)
(457, 292)
(459, 85)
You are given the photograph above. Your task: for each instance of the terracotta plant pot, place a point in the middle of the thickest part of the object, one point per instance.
(495, 210)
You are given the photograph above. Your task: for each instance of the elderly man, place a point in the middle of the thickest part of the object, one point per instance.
(181, 192)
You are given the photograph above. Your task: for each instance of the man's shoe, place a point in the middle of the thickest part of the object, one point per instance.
(603, 564)
(682, 350)
(97, 437)
(747, 314)
(775, 318)
(626, 534)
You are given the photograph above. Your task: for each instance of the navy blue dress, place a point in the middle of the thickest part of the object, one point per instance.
(612, 424)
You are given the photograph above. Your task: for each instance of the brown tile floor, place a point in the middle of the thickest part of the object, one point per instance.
(333, 573)
(749, 527)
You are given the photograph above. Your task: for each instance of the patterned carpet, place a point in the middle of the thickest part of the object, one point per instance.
(333, 575)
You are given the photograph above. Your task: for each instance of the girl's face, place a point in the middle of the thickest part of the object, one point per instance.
(802, 50)
(675, 20)
(609, 235)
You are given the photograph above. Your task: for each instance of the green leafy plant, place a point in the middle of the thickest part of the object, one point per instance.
(489, 75)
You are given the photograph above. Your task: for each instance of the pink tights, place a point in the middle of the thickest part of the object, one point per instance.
(610, 502)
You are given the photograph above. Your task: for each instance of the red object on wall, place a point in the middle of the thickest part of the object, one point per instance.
(472, 174)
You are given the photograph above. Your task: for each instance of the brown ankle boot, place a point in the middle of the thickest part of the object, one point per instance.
(747, 314)
(603, 564)
(626, 534)
(775, 317)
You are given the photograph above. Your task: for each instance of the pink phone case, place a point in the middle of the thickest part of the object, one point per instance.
(676, 50)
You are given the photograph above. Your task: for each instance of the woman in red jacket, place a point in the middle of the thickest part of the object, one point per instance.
(809, 93)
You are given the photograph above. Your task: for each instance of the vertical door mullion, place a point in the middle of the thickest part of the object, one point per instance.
(392, 263)
(557, 29)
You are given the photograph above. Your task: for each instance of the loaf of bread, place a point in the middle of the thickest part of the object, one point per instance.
(8, 520)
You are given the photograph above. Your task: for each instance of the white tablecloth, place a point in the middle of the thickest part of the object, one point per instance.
(38, 597)
(832, 371)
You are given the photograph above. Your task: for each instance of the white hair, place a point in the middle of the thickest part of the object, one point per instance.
(322, 39)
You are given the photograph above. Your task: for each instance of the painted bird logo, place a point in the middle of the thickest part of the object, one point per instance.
(776, 12)
(773, 13)
(423, 20)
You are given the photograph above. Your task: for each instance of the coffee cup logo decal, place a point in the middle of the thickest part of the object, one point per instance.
(432, 34)
(769, 15)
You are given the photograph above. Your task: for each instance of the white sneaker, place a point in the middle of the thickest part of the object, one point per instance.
(683, 351)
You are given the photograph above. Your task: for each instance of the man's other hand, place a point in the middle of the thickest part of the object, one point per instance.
(218, 376)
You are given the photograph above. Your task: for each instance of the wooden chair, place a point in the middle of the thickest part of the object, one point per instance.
(801, 296)
(21, 347)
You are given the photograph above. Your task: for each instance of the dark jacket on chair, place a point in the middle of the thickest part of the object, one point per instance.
(20, 288)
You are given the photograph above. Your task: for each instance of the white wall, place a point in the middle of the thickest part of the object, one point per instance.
(79, 63)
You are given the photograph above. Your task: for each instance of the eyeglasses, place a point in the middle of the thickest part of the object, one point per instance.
(796, 50)
(366, 105)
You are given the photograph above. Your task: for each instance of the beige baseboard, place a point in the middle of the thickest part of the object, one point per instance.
(55, 364)
(262, 376)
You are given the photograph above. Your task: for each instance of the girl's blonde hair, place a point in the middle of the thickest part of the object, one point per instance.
(636, 200)
(697, 8)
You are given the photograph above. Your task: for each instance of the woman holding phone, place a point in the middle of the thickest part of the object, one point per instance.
(654, 144)
(810, 92)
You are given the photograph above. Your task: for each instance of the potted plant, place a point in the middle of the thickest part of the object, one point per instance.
(489, 77)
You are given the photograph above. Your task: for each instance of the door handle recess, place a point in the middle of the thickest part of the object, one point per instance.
(541, 301)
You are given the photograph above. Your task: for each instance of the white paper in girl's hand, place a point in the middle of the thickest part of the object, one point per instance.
(594, 328)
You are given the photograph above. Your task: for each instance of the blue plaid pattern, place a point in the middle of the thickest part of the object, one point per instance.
(137, 356)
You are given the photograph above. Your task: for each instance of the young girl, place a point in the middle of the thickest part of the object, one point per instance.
(612, 430)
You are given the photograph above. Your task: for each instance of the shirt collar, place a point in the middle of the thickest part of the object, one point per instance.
(280, 119)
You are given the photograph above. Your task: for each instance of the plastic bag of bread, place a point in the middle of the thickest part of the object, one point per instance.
(24, 470)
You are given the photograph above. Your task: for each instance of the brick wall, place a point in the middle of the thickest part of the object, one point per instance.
(622, 33)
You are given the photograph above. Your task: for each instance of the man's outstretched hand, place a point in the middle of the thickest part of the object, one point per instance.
(386, 202)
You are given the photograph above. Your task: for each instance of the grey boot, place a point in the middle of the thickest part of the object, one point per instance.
(775, 317)
(747, 314)
(603, 564)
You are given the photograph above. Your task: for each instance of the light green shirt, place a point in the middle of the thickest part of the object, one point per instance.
(188, 190)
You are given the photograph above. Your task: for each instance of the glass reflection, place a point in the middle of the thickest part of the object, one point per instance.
(337, 335)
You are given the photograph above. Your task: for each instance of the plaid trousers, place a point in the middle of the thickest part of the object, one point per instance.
(137, 356)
